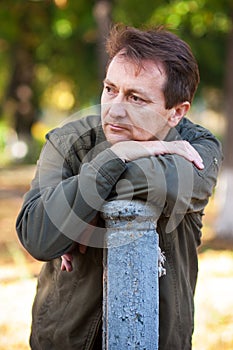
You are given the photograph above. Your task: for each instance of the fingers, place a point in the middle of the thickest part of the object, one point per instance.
(193, 156)
(198, 162)
(186, 150)
(66, 264)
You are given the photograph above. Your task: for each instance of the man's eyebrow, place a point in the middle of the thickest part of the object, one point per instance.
(106, 81)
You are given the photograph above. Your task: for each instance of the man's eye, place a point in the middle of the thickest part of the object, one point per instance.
(137, 99)
(109, 89)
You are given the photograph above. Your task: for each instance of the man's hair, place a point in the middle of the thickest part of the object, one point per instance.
(160, 46)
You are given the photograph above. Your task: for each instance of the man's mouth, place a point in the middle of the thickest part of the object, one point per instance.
(117, 127)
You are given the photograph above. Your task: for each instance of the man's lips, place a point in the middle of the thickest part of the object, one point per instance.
(117, 127)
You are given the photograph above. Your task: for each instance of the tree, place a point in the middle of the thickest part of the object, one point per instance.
(19, 93)
(103, 15)
(46, 42)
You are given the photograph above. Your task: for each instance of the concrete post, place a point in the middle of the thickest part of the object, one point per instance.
(130, 301)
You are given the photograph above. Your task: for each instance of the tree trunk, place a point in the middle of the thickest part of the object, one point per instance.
(102, 13)
(20, 93)
(224, 226)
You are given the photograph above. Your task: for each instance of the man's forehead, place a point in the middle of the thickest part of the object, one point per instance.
(139, 67)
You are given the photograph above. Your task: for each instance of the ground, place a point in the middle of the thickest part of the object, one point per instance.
(18, 271)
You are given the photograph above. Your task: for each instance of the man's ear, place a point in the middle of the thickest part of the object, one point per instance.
(177, 113)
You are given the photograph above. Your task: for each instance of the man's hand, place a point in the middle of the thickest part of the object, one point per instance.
(66, 264)
(131, 150)
(186, 150)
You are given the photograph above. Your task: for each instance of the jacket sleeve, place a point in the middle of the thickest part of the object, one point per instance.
(60, 203)
(172, 183)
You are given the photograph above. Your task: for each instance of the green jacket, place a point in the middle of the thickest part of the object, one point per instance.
(76, 173)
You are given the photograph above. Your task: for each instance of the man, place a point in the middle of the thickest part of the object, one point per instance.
(143, 134)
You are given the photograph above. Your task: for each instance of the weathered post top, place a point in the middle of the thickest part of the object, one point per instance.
(130, 218)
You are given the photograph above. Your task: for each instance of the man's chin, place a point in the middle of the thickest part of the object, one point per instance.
(115, 139)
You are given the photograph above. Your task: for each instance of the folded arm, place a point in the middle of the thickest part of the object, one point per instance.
(62, 202)
(179, 179)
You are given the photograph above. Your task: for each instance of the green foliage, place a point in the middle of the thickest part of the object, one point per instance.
(62, 39)
(135, 12)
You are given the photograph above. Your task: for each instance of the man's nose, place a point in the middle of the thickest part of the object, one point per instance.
(118, 109)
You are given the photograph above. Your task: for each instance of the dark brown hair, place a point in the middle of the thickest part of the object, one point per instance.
(159, 45)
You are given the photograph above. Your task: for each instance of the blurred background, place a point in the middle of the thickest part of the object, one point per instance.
(52, 64)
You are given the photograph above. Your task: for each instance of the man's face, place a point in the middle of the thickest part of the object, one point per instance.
(132, 102)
